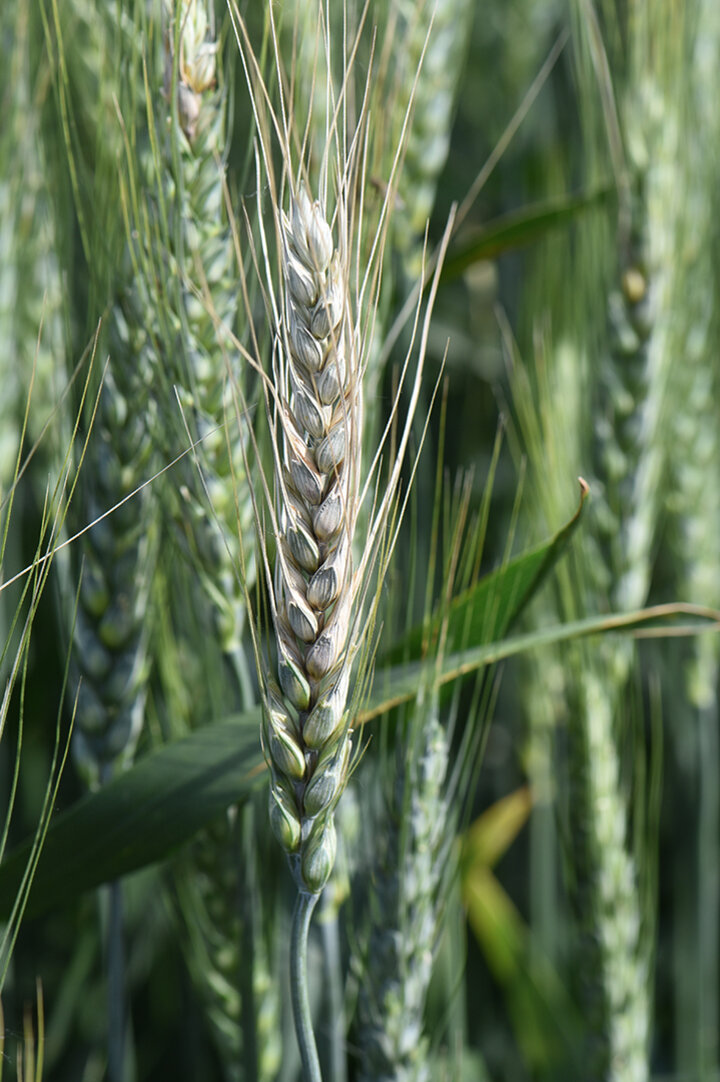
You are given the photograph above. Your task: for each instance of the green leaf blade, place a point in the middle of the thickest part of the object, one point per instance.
(140, 816)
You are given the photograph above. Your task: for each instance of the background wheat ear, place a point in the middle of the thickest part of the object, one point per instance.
(115, 511)
(199, 368)
(115, 558)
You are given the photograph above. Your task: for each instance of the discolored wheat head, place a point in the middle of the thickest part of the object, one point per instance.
(319, 419)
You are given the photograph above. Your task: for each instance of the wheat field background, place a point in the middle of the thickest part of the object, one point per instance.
(360, 541)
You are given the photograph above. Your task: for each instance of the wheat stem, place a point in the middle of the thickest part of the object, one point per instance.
(332, 971)
(302, 915)
(116, 983)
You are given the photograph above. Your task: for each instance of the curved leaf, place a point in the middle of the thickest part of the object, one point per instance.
(493, 832)
(141, 815)
(522, 227)
(484, 612)
(399, 684)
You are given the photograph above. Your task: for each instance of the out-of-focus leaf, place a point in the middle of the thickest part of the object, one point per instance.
(399, 684)
(492, 833)
(521, 228)
(542, 1013)
(140, 816)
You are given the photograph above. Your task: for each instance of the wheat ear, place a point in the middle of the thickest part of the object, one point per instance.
(322, 604)
(229, 956)
(211, 505)
(640, 117)
(198, 369)
(115, 558)
(319, 416)
(406, 903)
(30, 285)
(433, 36)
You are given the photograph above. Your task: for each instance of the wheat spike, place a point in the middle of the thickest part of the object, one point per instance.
(614, 966)
(211, 505)
(219, 911)
(30, 286)
(319, 414)
(630, 454)
(407, 898)
(115, 557)
(322, 604)
(198, 365)
(429, 64)
(693, 506)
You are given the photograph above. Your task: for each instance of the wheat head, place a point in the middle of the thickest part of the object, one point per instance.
(319, 418)
(199, 371)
